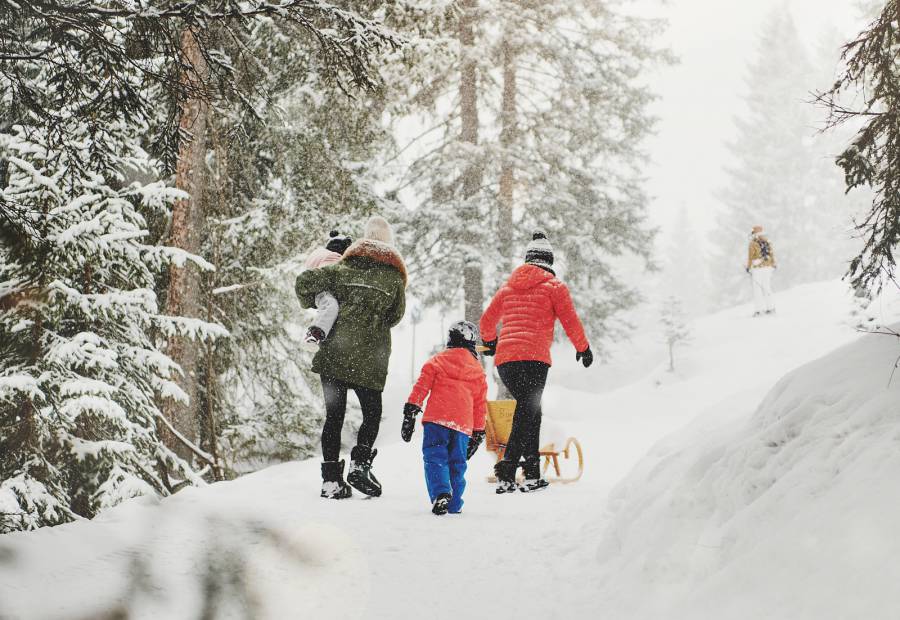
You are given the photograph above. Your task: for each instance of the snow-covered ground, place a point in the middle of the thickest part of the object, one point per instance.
(778, 514)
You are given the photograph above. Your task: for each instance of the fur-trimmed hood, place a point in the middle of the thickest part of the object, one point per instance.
(379, 252)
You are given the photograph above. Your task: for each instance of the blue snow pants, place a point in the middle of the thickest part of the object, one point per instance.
(444, 451)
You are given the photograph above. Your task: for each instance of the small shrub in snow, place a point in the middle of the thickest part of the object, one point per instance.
(676, 329)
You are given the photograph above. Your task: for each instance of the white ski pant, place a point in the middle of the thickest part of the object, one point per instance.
(326, 311)
(762, 288)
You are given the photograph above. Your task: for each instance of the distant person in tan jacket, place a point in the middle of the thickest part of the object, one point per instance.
(760, 265)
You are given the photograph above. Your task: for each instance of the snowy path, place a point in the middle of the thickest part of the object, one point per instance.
(522, 556)
(372, 555)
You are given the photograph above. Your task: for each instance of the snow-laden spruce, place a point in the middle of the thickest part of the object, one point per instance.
(81, 373)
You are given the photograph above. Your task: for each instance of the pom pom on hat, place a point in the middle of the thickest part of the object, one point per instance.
(338, 242)
(539, 251)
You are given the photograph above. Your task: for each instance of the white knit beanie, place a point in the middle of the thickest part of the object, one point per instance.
(539, 251)
(378, 229)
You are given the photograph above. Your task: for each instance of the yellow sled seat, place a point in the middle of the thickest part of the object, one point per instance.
(498, 426)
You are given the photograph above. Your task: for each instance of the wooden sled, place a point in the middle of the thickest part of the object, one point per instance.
(497, 428)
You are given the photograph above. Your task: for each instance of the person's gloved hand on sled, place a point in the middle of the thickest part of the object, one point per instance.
(410, 411)
(491, 346)
(586, 357)
(474, 441)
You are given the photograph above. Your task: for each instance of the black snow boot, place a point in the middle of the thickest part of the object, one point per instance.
(441, 504)
(506, 476)
(533, 479)
(361, 477)
(333, 485)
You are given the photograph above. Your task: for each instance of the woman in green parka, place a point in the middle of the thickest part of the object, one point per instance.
(369, 284)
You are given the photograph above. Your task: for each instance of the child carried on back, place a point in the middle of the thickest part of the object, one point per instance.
(326, 305)
(456, 388)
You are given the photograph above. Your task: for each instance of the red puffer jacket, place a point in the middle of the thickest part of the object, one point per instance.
(528, 305)
(458, 389)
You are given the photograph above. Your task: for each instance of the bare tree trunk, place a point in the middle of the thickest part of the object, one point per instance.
(468, 94)
(183, 297)
(474, 290)
(508, 135)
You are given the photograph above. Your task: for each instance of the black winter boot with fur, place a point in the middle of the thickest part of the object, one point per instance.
(361, 477)
(333, 485)
(533, 479)
(506, 476)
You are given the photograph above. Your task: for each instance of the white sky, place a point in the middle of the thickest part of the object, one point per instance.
(715, 41)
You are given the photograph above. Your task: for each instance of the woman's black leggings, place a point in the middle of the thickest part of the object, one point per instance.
(525, 381)
(336, 406)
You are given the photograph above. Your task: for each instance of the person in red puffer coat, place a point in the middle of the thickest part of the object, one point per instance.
(528, 306)
(456, 388)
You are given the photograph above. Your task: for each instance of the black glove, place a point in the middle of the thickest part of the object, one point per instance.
(491, 347)
(747, 269)
(474, 441)
(586, 357)
(410, 411)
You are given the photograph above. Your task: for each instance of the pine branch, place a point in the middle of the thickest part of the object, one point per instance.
(203, 456)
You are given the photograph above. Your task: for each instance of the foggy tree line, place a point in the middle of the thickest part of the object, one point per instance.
(781, 175)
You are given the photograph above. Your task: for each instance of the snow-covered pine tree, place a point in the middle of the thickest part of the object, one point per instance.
(777, 178)
(675, 327)
(81, 371)
(868, 92)
(561, 117)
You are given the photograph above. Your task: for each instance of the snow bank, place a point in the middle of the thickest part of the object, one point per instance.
(791, 513)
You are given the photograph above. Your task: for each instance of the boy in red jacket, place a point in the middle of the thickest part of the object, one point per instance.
(456, 409)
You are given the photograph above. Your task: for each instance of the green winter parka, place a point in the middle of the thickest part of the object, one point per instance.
(369, 284)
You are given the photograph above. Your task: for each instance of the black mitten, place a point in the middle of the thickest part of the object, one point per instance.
(410, 411)
(491, 347)
(474, 441)
(586, 357)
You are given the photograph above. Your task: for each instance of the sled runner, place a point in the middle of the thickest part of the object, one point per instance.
(497, 427)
